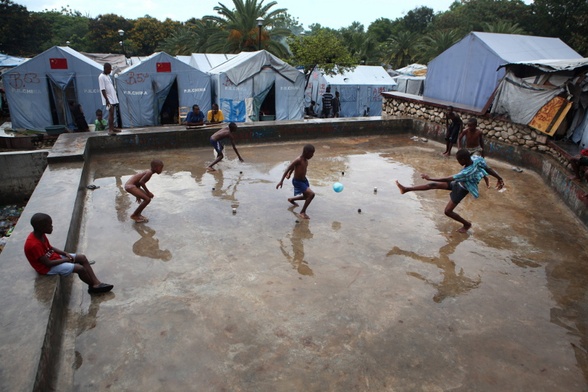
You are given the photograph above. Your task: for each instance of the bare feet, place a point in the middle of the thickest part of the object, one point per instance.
(401, 187)
(303, 215)
(465, 228)
(210, 169)
(139, 219)
(293, 202)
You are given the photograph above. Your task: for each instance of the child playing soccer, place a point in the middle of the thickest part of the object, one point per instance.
(299, 180)
(216, 142)
(136, 186)
(460, 184)
(48, 260)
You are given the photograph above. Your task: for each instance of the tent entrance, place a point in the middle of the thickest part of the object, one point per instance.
(267, 108)
(169, 110)
(60, 94)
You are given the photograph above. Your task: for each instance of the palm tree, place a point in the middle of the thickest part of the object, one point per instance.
(190, 38)
(504, 27)
(238, 29)
(435, 43)
(399, 49)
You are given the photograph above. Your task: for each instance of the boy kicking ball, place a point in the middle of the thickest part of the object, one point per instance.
(460, 184)
(299, 180)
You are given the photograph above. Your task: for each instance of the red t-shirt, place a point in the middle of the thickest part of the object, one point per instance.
(584, 152)
(35, 249)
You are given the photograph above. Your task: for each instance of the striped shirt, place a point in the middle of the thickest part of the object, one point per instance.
(470, 176)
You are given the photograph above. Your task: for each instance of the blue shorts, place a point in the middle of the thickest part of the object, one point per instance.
(458, 192)
(63, 269)
(300, 186)
(217, 145)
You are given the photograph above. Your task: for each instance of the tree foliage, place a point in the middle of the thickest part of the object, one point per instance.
(323, 49)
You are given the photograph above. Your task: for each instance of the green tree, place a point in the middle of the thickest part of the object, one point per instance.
(103, 33)
(399, 49)
(418, 20)
(362, 46)
(66, 26)
(381, 29)
(145, 36)
(238, 29)
(21, 33)
(322, 49)
(567, 20)
(503, 27)
(190, 38)
(435, 43)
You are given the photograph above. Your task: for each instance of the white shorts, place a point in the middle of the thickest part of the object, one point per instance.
(63, 269)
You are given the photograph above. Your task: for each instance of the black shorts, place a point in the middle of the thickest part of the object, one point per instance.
(458, 192)
(583, 161)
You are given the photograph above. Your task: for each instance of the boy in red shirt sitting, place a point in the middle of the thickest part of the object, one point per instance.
(47, 260)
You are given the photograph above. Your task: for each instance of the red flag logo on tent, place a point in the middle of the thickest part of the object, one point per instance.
(163, 67)
(58, 63)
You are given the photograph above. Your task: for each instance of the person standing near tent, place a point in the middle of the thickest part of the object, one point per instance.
(215, 116)
(336, 105)
(327, 103)
(109, 98)
(454, 128)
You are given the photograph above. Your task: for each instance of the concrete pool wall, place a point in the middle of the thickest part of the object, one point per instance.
(33, 314)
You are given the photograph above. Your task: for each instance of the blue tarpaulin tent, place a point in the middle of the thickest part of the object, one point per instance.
(360, 89)
(258, 82)
(151, 91)
(38, 90)
(467, 73)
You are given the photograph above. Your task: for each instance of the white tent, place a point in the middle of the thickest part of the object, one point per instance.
(151, 92)
(466, 73)
(206, 61)
(258, 85)
(360, 89)
(38, 90)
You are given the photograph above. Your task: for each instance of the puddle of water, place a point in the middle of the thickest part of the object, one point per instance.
(262, 300)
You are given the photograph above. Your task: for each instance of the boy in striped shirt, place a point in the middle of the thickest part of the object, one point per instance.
(460, 184)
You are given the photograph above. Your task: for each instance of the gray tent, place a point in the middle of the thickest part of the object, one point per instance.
(466, 73)
(258, 82)
(151, 92)
(360, 89)
(38, 90)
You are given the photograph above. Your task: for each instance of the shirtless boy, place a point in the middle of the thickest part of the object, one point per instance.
(216, 142)
(299, 180)
(137, 186)
(460, 184)
(474, 138)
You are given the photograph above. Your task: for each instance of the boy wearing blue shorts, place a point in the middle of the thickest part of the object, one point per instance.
(299, 181)
(216, 142)
(47, 260)
(460, 184)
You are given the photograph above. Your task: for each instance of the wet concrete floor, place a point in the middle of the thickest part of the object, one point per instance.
(391, 298)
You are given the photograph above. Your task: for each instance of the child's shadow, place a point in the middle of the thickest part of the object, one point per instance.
(148, 245)
(300, 232)
(453, 283)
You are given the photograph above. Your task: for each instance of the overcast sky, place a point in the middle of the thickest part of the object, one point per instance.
(328, 13)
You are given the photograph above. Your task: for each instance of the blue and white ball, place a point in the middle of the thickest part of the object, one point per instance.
(338, 187)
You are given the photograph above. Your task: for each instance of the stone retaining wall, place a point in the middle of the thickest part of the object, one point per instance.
(493, 128)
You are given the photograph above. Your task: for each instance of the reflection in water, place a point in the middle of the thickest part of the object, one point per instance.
(567, 282)
(300, 232)
(88, 321)
(453, 283)
(148, 245)
(231, 189)
(122, 201)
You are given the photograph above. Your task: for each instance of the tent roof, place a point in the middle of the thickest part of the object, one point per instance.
(206, 61)
(413, 70)
(164, 57)
(514, 48)
(362, 74)
(10, 61)
(579, 65)
(247, 64)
